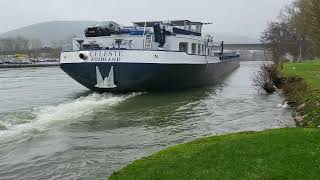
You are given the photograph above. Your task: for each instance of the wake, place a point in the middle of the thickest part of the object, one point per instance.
(47, 116)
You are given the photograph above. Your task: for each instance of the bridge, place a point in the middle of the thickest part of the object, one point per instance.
(248, 52)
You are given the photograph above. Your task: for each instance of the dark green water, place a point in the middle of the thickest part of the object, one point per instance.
(53, 128)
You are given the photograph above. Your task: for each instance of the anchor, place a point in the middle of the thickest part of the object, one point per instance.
(107, 82)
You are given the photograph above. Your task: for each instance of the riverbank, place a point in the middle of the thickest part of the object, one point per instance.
(272, 154)
(302, 89)
(28, 65)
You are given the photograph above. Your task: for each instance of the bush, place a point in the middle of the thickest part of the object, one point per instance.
(265, 76)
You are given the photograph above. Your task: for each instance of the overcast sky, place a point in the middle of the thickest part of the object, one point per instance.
(239, 17)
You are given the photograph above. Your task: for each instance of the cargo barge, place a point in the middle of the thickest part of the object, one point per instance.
(148, 56)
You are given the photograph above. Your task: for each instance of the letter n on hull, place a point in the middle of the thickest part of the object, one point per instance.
(107, 82)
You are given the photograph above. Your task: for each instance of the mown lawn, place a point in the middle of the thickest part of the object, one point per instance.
(273, 154)
(309, 71)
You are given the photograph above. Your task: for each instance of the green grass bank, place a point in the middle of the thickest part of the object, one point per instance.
(302, 87)
(309, 71)
(273, 154)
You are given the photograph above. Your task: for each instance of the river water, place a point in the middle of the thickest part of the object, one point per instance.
(53, 128)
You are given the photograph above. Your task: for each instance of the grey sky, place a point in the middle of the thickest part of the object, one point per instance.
(241, 17)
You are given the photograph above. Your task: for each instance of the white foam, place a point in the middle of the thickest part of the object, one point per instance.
(283, 105)
(64, 112)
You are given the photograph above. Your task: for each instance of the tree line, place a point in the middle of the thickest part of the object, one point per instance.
(18, 45)
(31, 47)
(296, 32)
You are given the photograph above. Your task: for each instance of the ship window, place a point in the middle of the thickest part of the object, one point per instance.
(183, 47)
(194, 48)
(199, 48)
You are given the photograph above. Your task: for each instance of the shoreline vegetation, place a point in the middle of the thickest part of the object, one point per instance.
(294, 36)
(301, 87)
(272, 154)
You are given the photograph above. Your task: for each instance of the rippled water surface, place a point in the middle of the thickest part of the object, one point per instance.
(53, 128)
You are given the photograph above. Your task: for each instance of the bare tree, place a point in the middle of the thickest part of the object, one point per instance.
(295, 32)
(272, 38)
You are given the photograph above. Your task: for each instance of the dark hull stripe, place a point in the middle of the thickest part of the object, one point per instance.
(129, 77)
